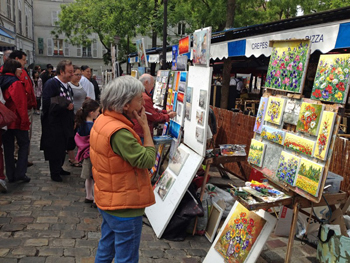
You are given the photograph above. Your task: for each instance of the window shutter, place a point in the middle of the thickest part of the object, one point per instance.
(54, 17)
(49, 47)
(94, 49)
(79, 51)
(66, 49)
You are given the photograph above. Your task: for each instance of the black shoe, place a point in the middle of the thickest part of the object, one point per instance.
(29, 164)
(24, 179)
(12, 180)
(63, 172)
(56, 178)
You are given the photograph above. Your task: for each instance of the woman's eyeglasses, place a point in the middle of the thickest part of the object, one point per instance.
(78, 75)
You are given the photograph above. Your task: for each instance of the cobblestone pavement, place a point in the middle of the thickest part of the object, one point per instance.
(45, 221)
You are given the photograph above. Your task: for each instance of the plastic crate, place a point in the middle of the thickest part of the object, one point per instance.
(334, 180)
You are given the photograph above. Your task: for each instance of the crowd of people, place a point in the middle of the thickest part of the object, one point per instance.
(112, 136)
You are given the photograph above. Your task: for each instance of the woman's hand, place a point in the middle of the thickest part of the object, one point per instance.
(141, 118)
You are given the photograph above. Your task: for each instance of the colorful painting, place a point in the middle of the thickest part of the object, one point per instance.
(180, 96)
(299, 144)
(256, 153)
(141, 52)
(201, 46)
(309, 176)
(288, 167)
(178, 160)
(292, 111)
(239, 235)
(309, 118)
(184, 45)
(273, 135)
(183, 76)
(288, 64)
(174, 53)
(274, 111)
(164, 184)
(332, 78)
(260, 115)
(325, 135)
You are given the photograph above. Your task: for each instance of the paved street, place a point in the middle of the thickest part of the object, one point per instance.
(48, 222)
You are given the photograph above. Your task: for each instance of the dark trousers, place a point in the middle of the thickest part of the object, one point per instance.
(18, 170)
(56, 164)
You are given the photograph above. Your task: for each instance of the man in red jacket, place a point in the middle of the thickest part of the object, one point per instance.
(153, 115)
(21, 57)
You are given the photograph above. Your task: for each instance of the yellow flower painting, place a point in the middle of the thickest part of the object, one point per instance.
(325, 135)
(309, 176)
(256, 153)
(274, 111)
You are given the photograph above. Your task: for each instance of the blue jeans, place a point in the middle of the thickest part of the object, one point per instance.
(120, 239)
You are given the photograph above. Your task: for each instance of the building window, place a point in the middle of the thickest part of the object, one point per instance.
(54, 17)
(14, 10)
(20, 21)
(181, 28)
(9, 9)
(58, 47)
(87, 52)
(94, 48)
(41, 45)
(27, 30)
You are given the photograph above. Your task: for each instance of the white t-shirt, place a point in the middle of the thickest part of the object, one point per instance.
(88, 87)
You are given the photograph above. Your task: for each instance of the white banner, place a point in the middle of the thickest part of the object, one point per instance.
(219, 50)
(169, 57)
(153, 58)
(322, 38)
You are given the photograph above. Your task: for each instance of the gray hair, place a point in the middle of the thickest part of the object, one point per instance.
(119, 92)
(145, 77)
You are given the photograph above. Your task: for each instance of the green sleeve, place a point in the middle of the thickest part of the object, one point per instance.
(125, 145)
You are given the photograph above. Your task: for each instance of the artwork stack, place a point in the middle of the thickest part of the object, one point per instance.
(296, 133)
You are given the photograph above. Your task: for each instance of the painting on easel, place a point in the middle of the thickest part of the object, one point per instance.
(324, 135)
(261, 114)
(332, 78)
(309, 176)
(288, 64)
(274, 111)
(299, 144)
(256, 153)
(272, 134)
(239, 235)
(309, 118)
(287, 168)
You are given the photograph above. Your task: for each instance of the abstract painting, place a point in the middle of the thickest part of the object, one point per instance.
(288, 65)
(239, 235)
(332, 78)
(325, 135)
(260, 115)
(183, 76)
(180, 96)
(199, 134)
(203, 99)
(299, 144)
(274, 111)
(309, 118)
(272, 134)
(292, 111)
(309, 176)
(164, 184)
(201, 46)
(178, 160)
(184, 45)
(256, 153)
(288, 167)
(174, 53)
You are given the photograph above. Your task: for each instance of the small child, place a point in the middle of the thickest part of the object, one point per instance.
(84, 119)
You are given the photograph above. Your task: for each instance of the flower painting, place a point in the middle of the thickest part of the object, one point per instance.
(309, 176)
(287, 167)
(260, 115)
(332, 78)
(288, 64)
(272, 134)
(299, 144)
(256, 153)
(274, 111)
(324, 135)
(239, 235)
(291, 111)
(309, 118)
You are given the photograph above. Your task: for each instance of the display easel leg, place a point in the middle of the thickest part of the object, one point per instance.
(202, 192)
(292, 231)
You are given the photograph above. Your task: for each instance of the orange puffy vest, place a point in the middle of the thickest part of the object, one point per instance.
(118, 185)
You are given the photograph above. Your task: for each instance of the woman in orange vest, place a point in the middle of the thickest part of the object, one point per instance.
(120, 166)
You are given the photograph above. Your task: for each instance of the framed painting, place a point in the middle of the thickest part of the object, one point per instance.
(332, 78)
(201, 46)
(292, 111)
(174, 54)
(184, 45)
(178, 160)
(309, 176)
(288, 64)
(309, 118)
(214, 221)
(272, 134)
(287, 168)
(325, 135)
(299, 144)
(260, 115)
(256, 153)
(141, 52)
(242, 236)
(274, 110)
(164, 184)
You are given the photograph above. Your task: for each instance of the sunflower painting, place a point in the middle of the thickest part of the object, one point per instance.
(332, 78)
(274, 111)
(239, 235)
(309, 118)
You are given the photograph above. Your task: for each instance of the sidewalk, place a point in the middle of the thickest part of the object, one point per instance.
(48, 222)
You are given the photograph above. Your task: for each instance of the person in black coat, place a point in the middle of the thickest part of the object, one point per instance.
(57, 119)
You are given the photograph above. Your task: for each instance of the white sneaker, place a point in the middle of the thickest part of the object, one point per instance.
(3, 187)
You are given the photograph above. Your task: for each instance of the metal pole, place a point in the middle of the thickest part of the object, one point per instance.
(165, 3)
